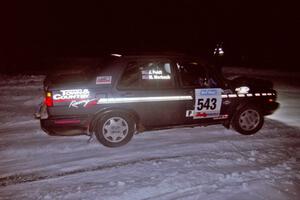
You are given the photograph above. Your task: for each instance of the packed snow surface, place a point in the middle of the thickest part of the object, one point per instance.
(185, 163)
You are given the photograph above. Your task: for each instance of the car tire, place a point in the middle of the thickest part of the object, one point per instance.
(115, 129)
(248, 120)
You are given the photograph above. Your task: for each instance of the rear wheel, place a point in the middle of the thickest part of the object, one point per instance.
(248, 120)
(115, 129)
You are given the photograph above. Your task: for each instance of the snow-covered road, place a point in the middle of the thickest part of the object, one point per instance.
(187, 163)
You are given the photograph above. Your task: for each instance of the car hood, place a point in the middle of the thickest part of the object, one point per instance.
(252, 83)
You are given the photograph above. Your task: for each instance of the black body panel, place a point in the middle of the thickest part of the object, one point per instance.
(79, 103)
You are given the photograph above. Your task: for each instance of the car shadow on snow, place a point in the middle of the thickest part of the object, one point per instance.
(277, 128)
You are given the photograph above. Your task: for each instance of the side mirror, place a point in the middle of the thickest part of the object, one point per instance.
(218, 55)
(219, 50)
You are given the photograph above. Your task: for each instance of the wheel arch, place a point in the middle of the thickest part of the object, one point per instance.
(240, 105)
(248, 127)
(100, 113)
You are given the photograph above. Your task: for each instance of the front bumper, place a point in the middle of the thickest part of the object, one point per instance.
(65, 126)
(270, 108)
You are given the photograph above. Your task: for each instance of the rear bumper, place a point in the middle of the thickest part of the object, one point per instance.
(270, 108)
(65, 126)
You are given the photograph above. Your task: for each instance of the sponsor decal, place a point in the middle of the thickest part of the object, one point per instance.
(72, 94)
(221, 117)
(200, 115)
(83, 103)
(207, 92)
(207, 103)
(190, 113)
(101, 80)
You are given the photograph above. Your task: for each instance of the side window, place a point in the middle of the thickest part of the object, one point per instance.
(194, 74)
(147, 75)
(131, 76)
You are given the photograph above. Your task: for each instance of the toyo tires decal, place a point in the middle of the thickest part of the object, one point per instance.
(71, 94)
(83, 103)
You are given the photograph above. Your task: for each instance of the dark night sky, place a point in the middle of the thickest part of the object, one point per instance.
(261, 32)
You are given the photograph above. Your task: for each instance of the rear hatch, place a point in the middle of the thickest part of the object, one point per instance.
(69, 90)
(75, 97)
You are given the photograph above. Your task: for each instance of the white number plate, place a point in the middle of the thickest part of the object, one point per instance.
(207, 103)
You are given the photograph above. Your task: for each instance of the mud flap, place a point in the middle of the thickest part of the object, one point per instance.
(41, 111)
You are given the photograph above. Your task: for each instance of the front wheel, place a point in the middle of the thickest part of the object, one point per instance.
(248, 120)
(115, 129)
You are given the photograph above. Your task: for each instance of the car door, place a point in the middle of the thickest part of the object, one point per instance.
(150, 88)
(197, 80)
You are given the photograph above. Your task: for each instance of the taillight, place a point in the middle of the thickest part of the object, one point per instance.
(48, 99)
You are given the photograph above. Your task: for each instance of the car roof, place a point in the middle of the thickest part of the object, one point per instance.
(155, 55)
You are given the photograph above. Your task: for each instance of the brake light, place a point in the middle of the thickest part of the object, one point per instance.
(48, 99)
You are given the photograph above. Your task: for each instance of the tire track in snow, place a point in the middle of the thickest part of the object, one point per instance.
(24, 178)
(32, 177)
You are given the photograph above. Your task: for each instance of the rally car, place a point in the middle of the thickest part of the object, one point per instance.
(132, 94)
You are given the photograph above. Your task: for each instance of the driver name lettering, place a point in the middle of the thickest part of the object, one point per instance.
(154, 74)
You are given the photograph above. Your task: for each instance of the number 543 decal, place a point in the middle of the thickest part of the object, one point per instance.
(207, 103)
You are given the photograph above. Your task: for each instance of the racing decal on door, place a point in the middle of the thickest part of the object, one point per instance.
(207, 103)
(68, 95)
(83, 103)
